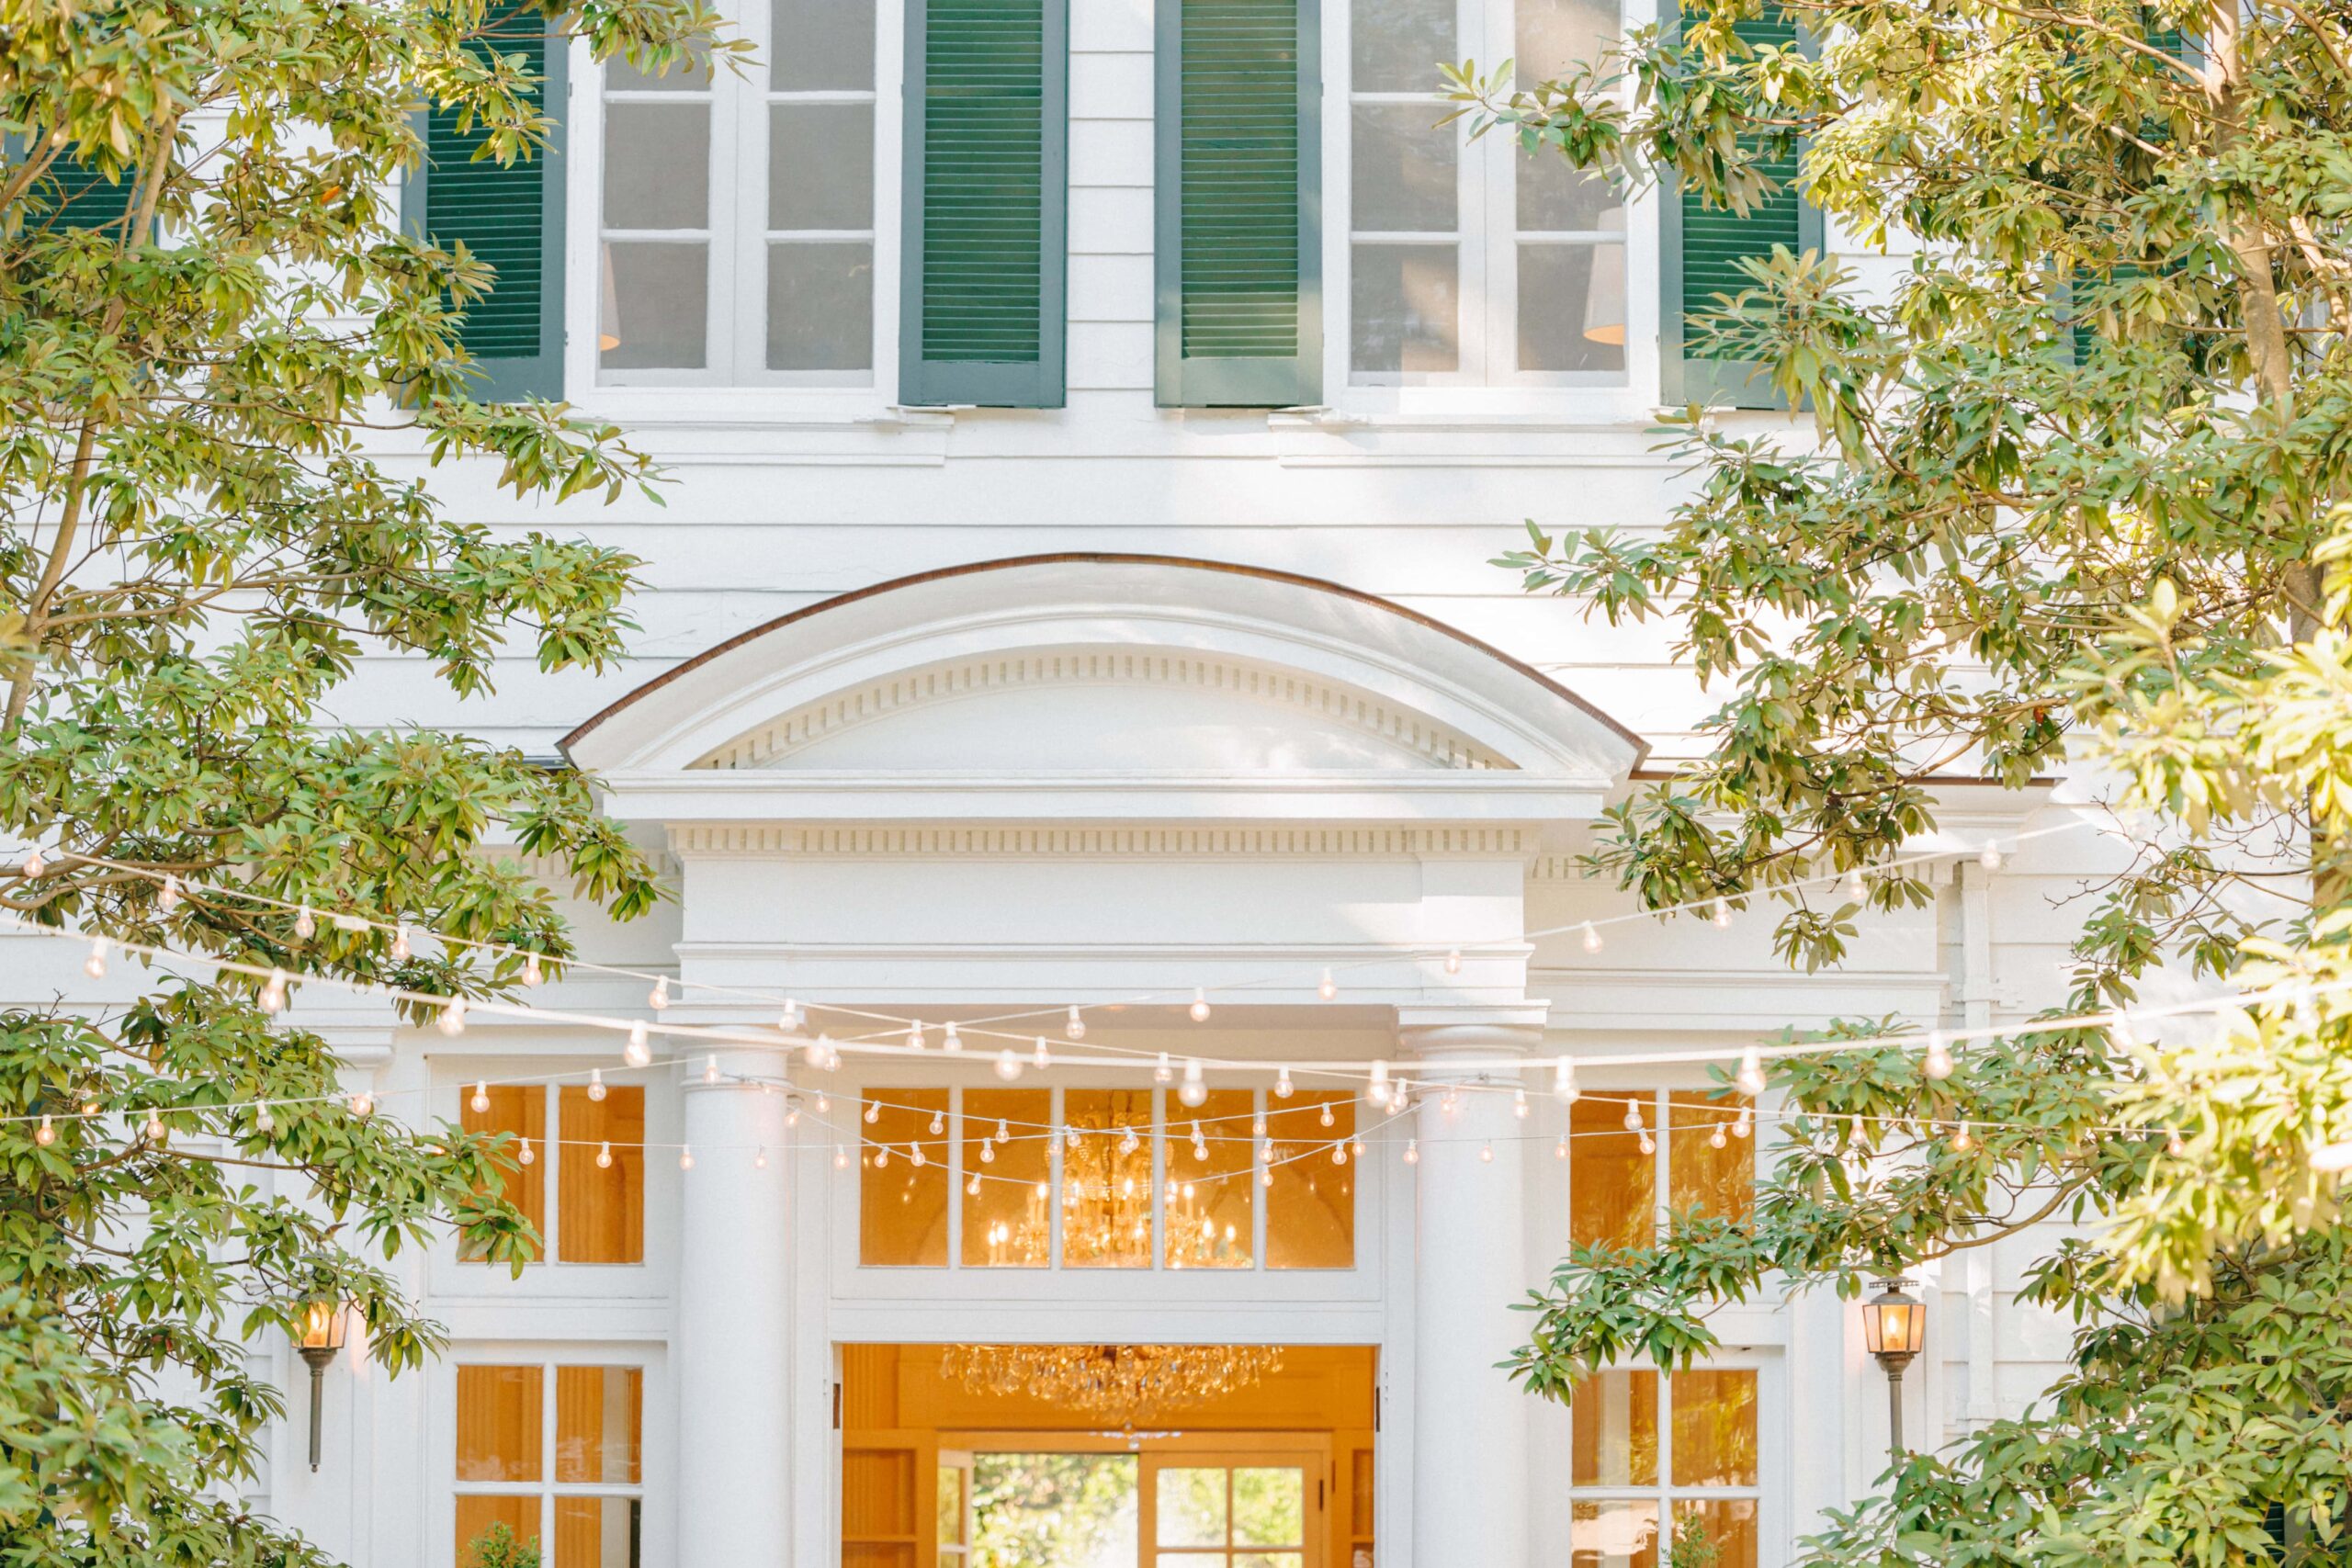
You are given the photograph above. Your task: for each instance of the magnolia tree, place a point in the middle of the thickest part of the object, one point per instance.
(194, 545)
(2067, 496)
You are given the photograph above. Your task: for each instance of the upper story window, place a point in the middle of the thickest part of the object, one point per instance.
(588, 1141)
(1698, 1149)
(1106, 1178)
(1475, 262)
(736, 234)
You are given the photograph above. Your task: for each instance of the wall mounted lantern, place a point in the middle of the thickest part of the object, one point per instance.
(1894, 1326)
(320, 1337)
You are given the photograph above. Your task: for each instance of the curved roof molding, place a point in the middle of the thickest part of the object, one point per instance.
(1099, 668)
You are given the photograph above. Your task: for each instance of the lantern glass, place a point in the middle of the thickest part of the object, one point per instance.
(1894, 1324)
(321, 1327)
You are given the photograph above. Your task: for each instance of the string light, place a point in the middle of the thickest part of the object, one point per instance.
(951, 1040)
(272, 992)
(1486, 1154)
(1193, 1091)
(1338, 1153)
(1076, 1028)
(824, 1102)
(34, 865)
(1989, 857)
(481, 1102)
(792, 1110)
(531, 972)
(1042, 1057)
(988, 1152)
(45, 1134)
(915, 1036)
(169, 898)
(1750, 1078)
(1200, 1007)
(1856, 889)
(154, 1129)
(841, 1157)
(1008, 1065)
(401, 948)
(453, 1017)
(686, 1158)
(972, 1187)
(1564, 1080)
(1937, 1063)
(1329, 989)
(1633, 1116)
(710, 1068)
(914, 1153)
(638, 1052)
(1961, 1140)
(760, 1160)
(882, 1157)
(603, 1157)
(873, 1111)
(1721, 913)
(938, 1122)
(1165, 1072)
(525, 1154)
(1743, 1124)
(1454, 962)
(1412, 1151)
(363, 1105)
(1720, 1137)
(2174, 1144)
(1327, 1118)
(658, 999)
(1377, 1094)
(1282, 1085)
(597, 1083)
(1591, 937)
(1560, 1149)
(306, 925)
(1004, 1131)
(95, 966)
(1647, 1145)
(1519, 1104)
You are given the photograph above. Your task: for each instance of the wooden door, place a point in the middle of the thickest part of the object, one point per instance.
(1236, 1508)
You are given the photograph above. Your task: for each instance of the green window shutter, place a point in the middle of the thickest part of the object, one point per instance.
(509, 215)
(1700, 249)
(1238, 257)
(987, 217)
(78, 197)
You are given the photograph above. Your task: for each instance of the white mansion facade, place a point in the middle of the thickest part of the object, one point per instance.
(1042, 612)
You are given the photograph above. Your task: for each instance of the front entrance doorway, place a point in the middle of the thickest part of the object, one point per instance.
(1277, 1473)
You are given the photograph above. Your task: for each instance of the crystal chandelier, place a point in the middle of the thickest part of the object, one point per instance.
(1121, 1384)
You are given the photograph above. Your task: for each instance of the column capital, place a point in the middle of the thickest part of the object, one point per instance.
(1512, 1029)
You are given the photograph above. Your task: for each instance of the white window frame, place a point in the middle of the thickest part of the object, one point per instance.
(1771, 1467)
(733, 387)
(656, 1440)
(1487, 238)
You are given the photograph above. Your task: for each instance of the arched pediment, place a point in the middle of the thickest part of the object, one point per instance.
(1099, 666)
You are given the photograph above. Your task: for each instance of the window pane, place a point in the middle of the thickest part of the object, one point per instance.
(1699, 1175)
(1008, 1208)
(1403, 166)
(1191, 1507)
(1729, 1527)
(1714, 1428)
(1106, 1180)
(820, 165)
(520, 1111)
(1311, 1205)
(953, 1515)
(820, 43)
(656, 306)
(1612, 1420)
(498, 1425)
(1270, 1507)
(821, 306)
(599, 1419)
(902, 1206)
(596, 1532)
(1394, 46)
(1613, 1185)
(600, 1197)
(657, 164)
(1613, 1535)
(1266, 1560)
(479, 1519)
(690, 73)
(1406, 312)
(1555, 36)
(1212, 1186)
(1555, 196)
(1572, 307)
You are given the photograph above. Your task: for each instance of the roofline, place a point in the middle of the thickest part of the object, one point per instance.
(1108, 558)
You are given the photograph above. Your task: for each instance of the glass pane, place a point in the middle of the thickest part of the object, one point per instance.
(600, 1194)
(902, 1206)
(1270, 1507)
(1394, 46)
(1613, 1535)
(521, 1112)
(1613, 1185)
(599, 1422)
(820, 165)
(1698, 1174)
(1714, 1428)
(1008, 1208)
(1572, 308)
(1191, 1507)
(950, 1522)
(657, 165)
(1613, 1431)
(821, 306)
(1311, 1204)
(1056, 1509)
(690, 73)
(820, 43)
(1555, 36)
(1405, 310)
(596, 1532)
(1555, 196)
(1728, 1527)
(1190, 1560)
(1212, 1187)
(1106, 1180)
(488, 1528)
(498, 1425)
(656, 306)
(1268, 1559)
(1402, 164)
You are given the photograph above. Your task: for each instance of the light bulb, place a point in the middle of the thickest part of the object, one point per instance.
(1648, 1145)
(1076, 1027)
(1266, 1151)
(1487, 1154)
(914, 1152)
(882, 1157)
(658, 996)
(1200, 1151)
(824, 1104)
(1961, 1141)
(1008, 1065)
(1355, 1146)
(1200, 1007)
(1329, 989)
(399, 942)
(263, 1120)
(638, 1052)
(1195, 1092)
(686, 1158)
(1454, 962)
(988, 1152)
(972, 1187)
(272, 992)
(1519, 1104)
(938, 1122)
(792, 1110)
(841, 1157)
(1937, 1064)
(789, 1020)
(481, 1102)
(1412, 1151)
(1327, 1118)
(1003, 1131)
(1560, 1149)
(453, 1016)
(525, 1154)
(34, 865)
(1163, 1073)
(1721, 1137)
(760, 1160)
(1070, 1136)
(45, 1134)
(1283, 1089)
(306, 925)
(1750, 1078)
(951, 1040)
(1591, 938)
(1256, 1126)
(1042, 1057)
(1338, 1153)
(2174, 1144)
(595, 1083)
(710, 1068)
(532, 974)
(1989, 857)
(156, 1130)
(603, 1157)
(1633, 1116)
(915, 1036)
(1722, 915)
(95, 966)
(1739, 1127)
(169, 898)
(873, 1111)
(1564, 1081)
(1856, 889)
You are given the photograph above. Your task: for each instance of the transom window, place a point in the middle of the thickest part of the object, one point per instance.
(1106, 1178)
(1475, 264)
(1639, 1486)
(595, 1158)
(550, 1453)
(736, 239)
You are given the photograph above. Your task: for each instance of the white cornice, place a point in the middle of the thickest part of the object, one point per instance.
(734, 840)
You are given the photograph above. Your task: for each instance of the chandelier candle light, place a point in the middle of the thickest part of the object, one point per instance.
(1121, 1384)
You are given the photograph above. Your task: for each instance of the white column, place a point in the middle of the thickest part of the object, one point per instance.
(734, 1408)
(1471, 1423)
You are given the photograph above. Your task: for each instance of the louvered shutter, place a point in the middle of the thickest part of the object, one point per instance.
(510, 215)
(1700, 251)
(1238, 257)
(987, 120)
(79, 196)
